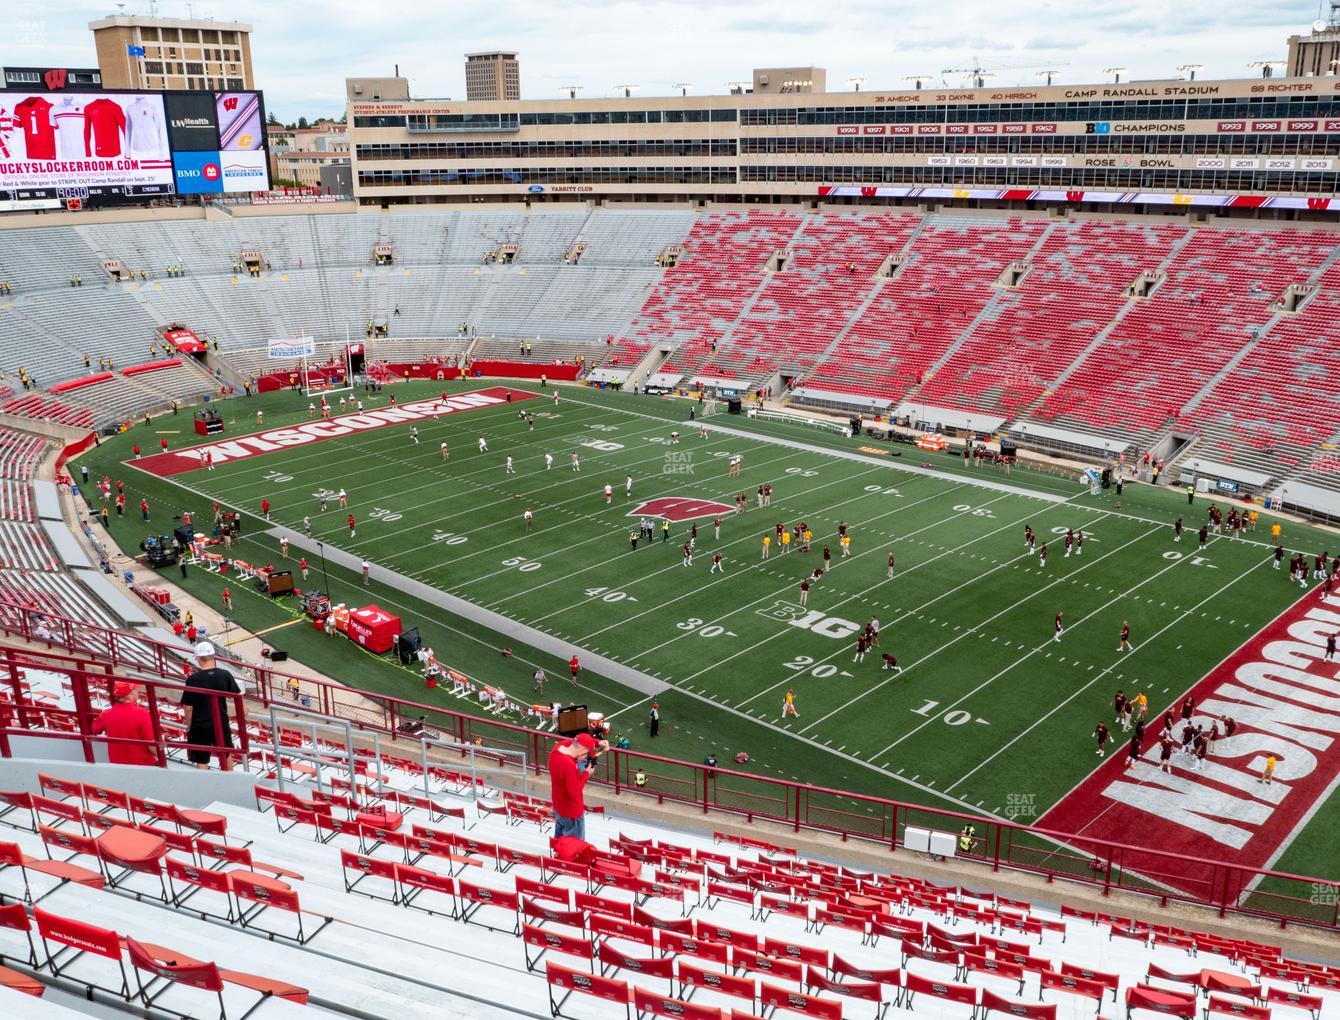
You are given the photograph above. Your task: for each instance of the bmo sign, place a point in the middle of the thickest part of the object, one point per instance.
(197, 173)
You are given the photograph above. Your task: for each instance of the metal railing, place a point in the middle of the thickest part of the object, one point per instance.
(1228, 888)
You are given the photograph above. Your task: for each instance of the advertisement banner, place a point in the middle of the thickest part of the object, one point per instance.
(191, 123)
(197, 173)
(295, 347)
(244, 171)
(239, 120)
(100, 141)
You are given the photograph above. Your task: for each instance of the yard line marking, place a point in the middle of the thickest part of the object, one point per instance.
(1033, 651)
(770, 595)
(976, 627)
(750, 566)
(1212, 669)
(984, 483)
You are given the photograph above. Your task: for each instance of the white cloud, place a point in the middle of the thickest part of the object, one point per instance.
(303, 51)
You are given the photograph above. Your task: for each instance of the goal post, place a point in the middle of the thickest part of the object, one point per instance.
(318, 381)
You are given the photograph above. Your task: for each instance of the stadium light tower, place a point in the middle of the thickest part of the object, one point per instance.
(1116, 73)
(627, 90)
(856, 82)
(918, 79)
(1190, 70)
(683, 87)
(1049, 75)
(571, 90)
(1266, 67)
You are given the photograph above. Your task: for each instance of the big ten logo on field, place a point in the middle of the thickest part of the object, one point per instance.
(677, 462)
(810, 619)
(1021, 805)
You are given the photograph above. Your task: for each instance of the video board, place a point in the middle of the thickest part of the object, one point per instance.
(130, 144)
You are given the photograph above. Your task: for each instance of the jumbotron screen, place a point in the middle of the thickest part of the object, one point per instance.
(129, 144)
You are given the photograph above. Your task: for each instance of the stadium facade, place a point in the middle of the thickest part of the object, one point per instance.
(1240, 144)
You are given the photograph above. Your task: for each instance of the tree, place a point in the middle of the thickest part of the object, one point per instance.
(273, 121)
(302, 123)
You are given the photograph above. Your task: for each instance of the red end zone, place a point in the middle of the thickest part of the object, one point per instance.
(1286, 701)
(176, 462)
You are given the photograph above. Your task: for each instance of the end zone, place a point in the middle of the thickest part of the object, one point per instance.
(1285, 699)
(255, 444)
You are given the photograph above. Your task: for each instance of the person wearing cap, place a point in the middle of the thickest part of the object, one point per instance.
(569, 769)
(127, 719)
(655, 717)
(204, 709)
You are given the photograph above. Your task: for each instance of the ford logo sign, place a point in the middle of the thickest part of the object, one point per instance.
(535, 189)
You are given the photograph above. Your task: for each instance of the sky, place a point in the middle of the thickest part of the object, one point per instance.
(303, 51)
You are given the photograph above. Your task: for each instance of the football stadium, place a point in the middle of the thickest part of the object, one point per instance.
(690, 553)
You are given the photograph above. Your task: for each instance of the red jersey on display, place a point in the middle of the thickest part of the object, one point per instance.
(104, 124)
(39, 135)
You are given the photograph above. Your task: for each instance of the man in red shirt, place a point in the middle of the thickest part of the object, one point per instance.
(127, 720)
(569, 769)
(574, 667)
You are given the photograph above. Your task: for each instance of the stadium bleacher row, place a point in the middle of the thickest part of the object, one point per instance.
(1026, 319)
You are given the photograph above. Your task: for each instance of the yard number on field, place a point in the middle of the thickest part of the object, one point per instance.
(522, 564)
(711, 630)
(957, 717)
(609, 595)
(806, 664)
(1196, 561)
(449, 538)
(976, 511)
(278, 477)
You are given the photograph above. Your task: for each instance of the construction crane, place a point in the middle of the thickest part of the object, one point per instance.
(979, 72)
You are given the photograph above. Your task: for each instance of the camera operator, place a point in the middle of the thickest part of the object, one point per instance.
(570, 765)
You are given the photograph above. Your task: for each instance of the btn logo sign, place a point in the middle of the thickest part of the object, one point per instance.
(680, 508)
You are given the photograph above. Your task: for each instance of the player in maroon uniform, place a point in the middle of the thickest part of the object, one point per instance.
(1101, 734)
(1204, 536)
(1060, 627)
(890, 574)
(1177, 530)
(1069, 542)
(861, 645)
(1079, 542)
(688, 555)
(1042, 555)
(1124, 645)
(1029, 538)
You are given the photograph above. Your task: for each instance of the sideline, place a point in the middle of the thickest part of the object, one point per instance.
(860, 458)
(631, 678)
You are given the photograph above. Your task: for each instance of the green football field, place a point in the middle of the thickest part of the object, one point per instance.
(989, 713)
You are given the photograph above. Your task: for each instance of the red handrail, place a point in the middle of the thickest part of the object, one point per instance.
(1169, 877)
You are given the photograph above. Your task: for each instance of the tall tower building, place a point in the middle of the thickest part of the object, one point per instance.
(492, 76)
(172, 53)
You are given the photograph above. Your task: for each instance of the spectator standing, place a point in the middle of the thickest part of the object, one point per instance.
(205, 710)
(569, 769)
(655, 718)
(127, 719)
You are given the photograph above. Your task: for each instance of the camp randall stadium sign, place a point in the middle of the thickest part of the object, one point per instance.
(1285, 698)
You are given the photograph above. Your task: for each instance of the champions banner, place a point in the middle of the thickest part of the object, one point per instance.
(295, 347)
